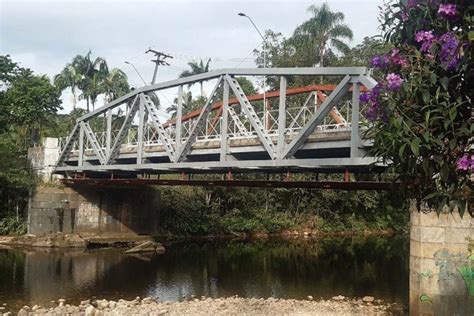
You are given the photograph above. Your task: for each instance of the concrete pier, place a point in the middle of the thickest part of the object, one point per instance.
(441, 263)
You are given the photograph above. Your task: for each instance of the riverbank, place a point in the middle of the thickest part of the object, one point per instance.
(220, 306)
(94, 241)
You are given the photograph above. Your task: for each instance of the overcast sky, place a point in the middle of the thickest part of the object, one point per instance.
(45, 35)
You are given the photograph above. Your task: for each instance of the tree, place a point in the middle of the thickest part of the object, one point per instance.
(92, 78)
(196, 69)
(68, 78)
(115, 84)
(421, 111)
(324, 32)
(27, 103)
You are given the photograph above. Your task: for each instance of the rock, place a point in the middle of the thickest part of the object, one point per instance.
(35, 308)
(2, 308)
(310, 297)
(338, 298)
(22, 312)
(112, 304)
(102, 304)
(368, 299)
(90, 311)
(86, 302)
(147, 300)
(61, 301)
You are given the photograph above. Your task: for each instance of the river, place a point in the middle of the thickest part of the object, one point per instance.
(353, 267)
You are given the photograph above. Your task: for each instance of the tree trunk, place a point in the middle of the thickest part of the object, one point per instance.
(87, 100)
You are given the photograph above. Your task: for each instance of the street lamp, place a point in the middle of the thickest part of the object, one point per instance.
(133, 66)
(264, 62)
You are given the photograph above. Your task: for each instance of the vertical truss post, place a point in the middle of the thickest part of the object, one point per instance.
(140, 134)
(225, 121)
(179, 118)
(108, 132)
(80, 160)
(281, 118)
(355, 137)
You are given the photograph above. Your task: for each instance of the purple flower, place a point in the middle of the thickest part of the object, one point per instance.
(426, 38)
(394, 81)
(448, 55)
(463, 163)
(364, 97)
(380, 62)
(397, 58)
(448, 11)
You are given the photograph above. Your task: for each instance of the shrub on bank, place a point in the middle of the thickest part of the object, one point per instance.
(11, 225)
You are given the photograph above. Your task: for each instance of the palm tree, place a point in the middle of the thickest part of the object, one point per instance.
(187, 102)
(323, 32)
(68, 78)
(196, 69)
(115, 84)
(92, 74)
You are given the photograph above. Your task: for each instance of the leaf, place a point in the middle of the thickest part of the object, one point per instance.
(415, 146)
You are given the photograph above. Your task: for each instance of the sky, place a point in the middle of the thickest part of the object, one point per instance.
(45, 35)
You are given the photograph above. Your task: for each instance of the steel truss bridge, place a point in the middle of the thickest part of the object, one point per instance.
(314, 128)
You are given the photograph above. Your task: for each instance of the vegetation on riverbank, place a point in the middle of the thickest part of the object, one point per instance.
(207, 211)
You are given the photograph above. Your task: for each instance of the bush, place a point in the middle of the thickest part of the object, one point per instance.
(10, 225)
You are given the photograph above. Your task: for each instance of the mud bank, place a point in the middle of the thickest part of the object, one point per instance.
(220, 306)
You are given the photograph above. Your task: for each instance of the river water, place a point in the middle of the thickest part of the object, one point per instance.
(353, 267)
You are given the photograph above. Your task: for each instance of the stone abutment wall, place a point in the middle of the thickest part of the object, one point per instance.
(441, 263)
(96, 210)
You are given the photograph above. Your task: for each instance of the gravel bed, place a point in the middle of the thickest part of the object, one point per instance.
(219, 306)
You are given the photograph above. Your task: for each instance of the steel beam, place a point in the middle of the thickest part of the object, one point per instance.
(281, 143)
(80, 160)
(326, 185)
(340, 163)
(179, 120)
(323, 110)
(355, 137)
(308, 71)
(140, 134)
(224, 122)
(108, 132)
(68, 145)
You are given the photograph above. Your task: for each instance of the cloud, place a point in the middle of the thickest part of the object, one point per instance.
(45, 35)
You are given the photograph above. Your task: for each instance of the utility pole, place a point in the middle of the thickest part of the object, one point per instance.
(160, 60)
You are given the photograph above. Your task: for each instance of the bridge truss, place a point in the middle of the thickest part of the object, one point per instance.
(319, 131)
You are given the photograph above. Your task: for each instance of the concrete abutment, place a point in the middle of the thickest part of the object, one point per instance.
(441, 263)
(94, 210)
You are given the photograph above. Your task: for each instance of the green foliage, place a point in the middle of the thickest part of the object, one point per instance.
(92, 78)
(203, 211)
(27, 103)
(11, 225)
(429, 124)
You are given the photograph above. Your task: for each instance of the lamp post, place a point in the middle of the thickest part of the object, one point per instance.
(134, 68)
(264, 64)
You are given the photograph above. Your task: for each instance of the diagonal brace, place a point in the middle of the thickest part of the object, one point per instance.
(162, 133)
(93, 141)
(200, 124)
(252, 116)
(325, 108)
(122, 132)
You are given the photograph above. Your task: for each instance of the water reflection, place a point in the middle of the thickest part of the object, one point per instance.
(323, 268)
